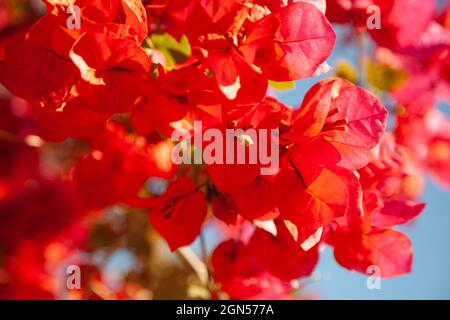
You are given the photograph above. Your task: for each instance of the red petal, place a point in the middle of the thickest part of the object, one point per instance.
(26, 65)
(225, 210)
(396, 212)
(349, 117)
(241, 276)
(256, 201)
(311, 197)
(291, 43)
(181, 213)
(389, 250)
(281, 255)
(397, 31)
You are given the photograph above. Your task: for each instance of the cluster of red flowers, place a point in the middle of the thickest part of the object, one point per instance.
(412, 54)
(86, 112)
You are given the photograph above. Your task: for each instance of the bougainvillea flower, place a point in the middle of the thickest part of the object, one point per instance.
(387, 249)
(396, 212)
(179, 214)
(426, 136)
(256, 201)
(114, 34)
(396, 30)
(168, 15)
(242, 277)
(111, 68)
(274, 43)
(248, 123)
(23, 67)
(175, 94)
(387, 182)
(281, 254)
(438, 159)
(270, 45)
(317, 195)
(128, 17)
(349, 117)
(231, 173)
(348, 11)
(225, 210)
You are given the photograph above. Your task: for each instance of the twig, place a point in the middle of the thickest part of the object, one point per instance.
(9, 137)
(198, 266)
(209, 282)
(30, 140)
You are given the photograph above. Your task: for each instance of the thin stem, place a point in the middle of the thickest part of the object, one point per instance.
(209, 283)
(30, 140)
(9, 137)
(190, 258)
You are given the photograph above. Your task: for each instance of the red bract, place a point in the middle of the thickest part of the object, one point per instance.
(179, 214)
(350, 118)
(225, 210)
(174, 95)
(74, 120)
(368, 240)
(23, 61)
(111, 68)
(396, 30)
(256, 201)
(168, 15)
(332, 133)
(281, 255)
(396, 212)
(232, 177)
(126, 16)
(389, 250)
(291, 43)
(426, 135)
(241, 276)
(438, 159)
(316, 196)
(348, 11)
(389, 186)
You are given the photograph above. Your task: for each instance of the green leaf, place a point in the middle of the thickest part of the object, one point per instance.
(175, 52)
(282, 86)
